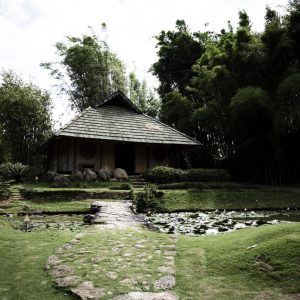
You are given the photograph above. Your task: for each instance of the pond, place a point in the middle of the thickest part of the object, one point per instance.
(211, 223)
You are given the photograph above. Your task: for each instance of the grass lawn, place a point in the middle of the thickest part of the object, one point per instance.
(40, 205)
(179, 200)
(218, 267)
(221, 267)
(22, 260)
(74, 186)
(118, 261)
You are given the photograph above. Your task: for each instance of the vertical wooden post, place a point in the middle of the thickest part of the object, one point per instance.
(100, 151)
(57, 155)
(74, 153)
(148, 156)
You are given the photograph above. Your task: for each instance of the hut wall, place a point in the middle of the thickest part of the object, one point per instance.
(108, 155)
(67, 154)
(140, 158)
(158, 156)
(87, 152)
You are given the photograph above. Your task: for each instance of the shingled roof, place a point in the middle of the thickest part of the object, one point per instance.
(118, 119)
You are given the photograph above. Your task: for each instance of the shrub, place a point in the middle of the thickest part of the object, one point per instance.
(149, 200)
(123, 186)
(182, 186)
(205, 175)
(205, 185)
(163, 174)
(15, 170)
(171, 175)
(4, 191)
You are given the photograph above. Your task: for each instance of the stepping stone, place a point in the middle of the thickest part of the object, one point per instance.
(165, 282)
(147, 296)
(67, 281)
(61, 271)
(111, 275)
(52, 261)
(87, 291)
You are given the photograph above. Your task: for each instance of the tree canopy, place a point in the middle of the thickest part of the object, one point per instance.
(89, 72)
(25, 120)
(237, 92)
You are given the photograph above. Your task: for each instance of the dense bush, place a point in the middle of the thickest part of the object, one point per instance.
(149, 200)
(171, 175)
(163, 174)
(205, 175)
(205, 185)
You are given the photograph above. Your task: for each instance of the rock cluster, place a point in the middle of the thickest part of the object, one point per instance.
(104, 174)
(206, 223)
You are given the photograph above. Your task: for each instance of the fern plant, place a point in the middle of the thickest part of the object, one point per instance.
(15, 170)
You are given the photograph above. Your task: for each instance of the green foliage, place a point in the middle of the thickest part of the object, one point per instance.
(237, 95)
(148, 201)
(205, 175)
(178, 51)
(4, 190)
(163, 174)
(142, 96)
(89, 72)
(14, 170)
(93, 71)
(288, 104)
(123, 186)
(25, 120)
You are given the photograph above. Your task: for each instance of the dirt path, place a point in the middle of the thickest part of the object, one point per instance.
(117, 215)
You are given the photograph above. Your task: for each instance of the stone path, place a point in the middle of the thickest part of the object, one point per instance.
(117, 259)
(116, 215)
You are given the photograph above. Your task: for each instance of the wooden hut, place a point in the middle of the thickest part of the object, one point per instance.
(117, 135)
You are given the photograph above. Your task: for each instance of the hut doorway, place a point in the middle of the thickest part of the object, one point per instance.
(124, 157)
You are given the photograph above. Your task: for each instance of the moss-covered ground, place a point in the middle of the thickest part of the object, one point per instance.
(257, 263)
(186, 200)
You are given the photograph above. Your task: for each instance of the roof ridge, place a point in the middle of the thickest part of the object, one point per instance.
(179, 132)
(116, 93)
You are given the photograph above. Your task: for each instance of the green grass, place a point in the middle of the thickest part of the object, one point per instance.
(22, 260)
(40, 205)
(128, 255)
(74, 186)
(221, 267)
(178, 200)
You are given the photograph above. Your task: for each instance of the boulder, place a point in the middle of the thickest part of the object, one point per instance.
(88, 219)
(104, 173)
(120, 174)
(50, 175)
(60, 181)
(89, 175)
(76, 175)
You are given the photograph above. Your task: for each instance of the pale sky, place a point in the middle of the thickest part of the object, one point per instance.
(29, 30)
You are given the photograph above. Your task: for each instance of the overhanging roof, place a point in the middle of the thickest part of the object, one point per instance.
(118, 119)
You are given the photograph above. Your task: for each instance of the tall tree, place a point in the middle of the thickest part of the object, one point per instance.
(88, 71)
(177, 51)
(25, 120)
(142, 96)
